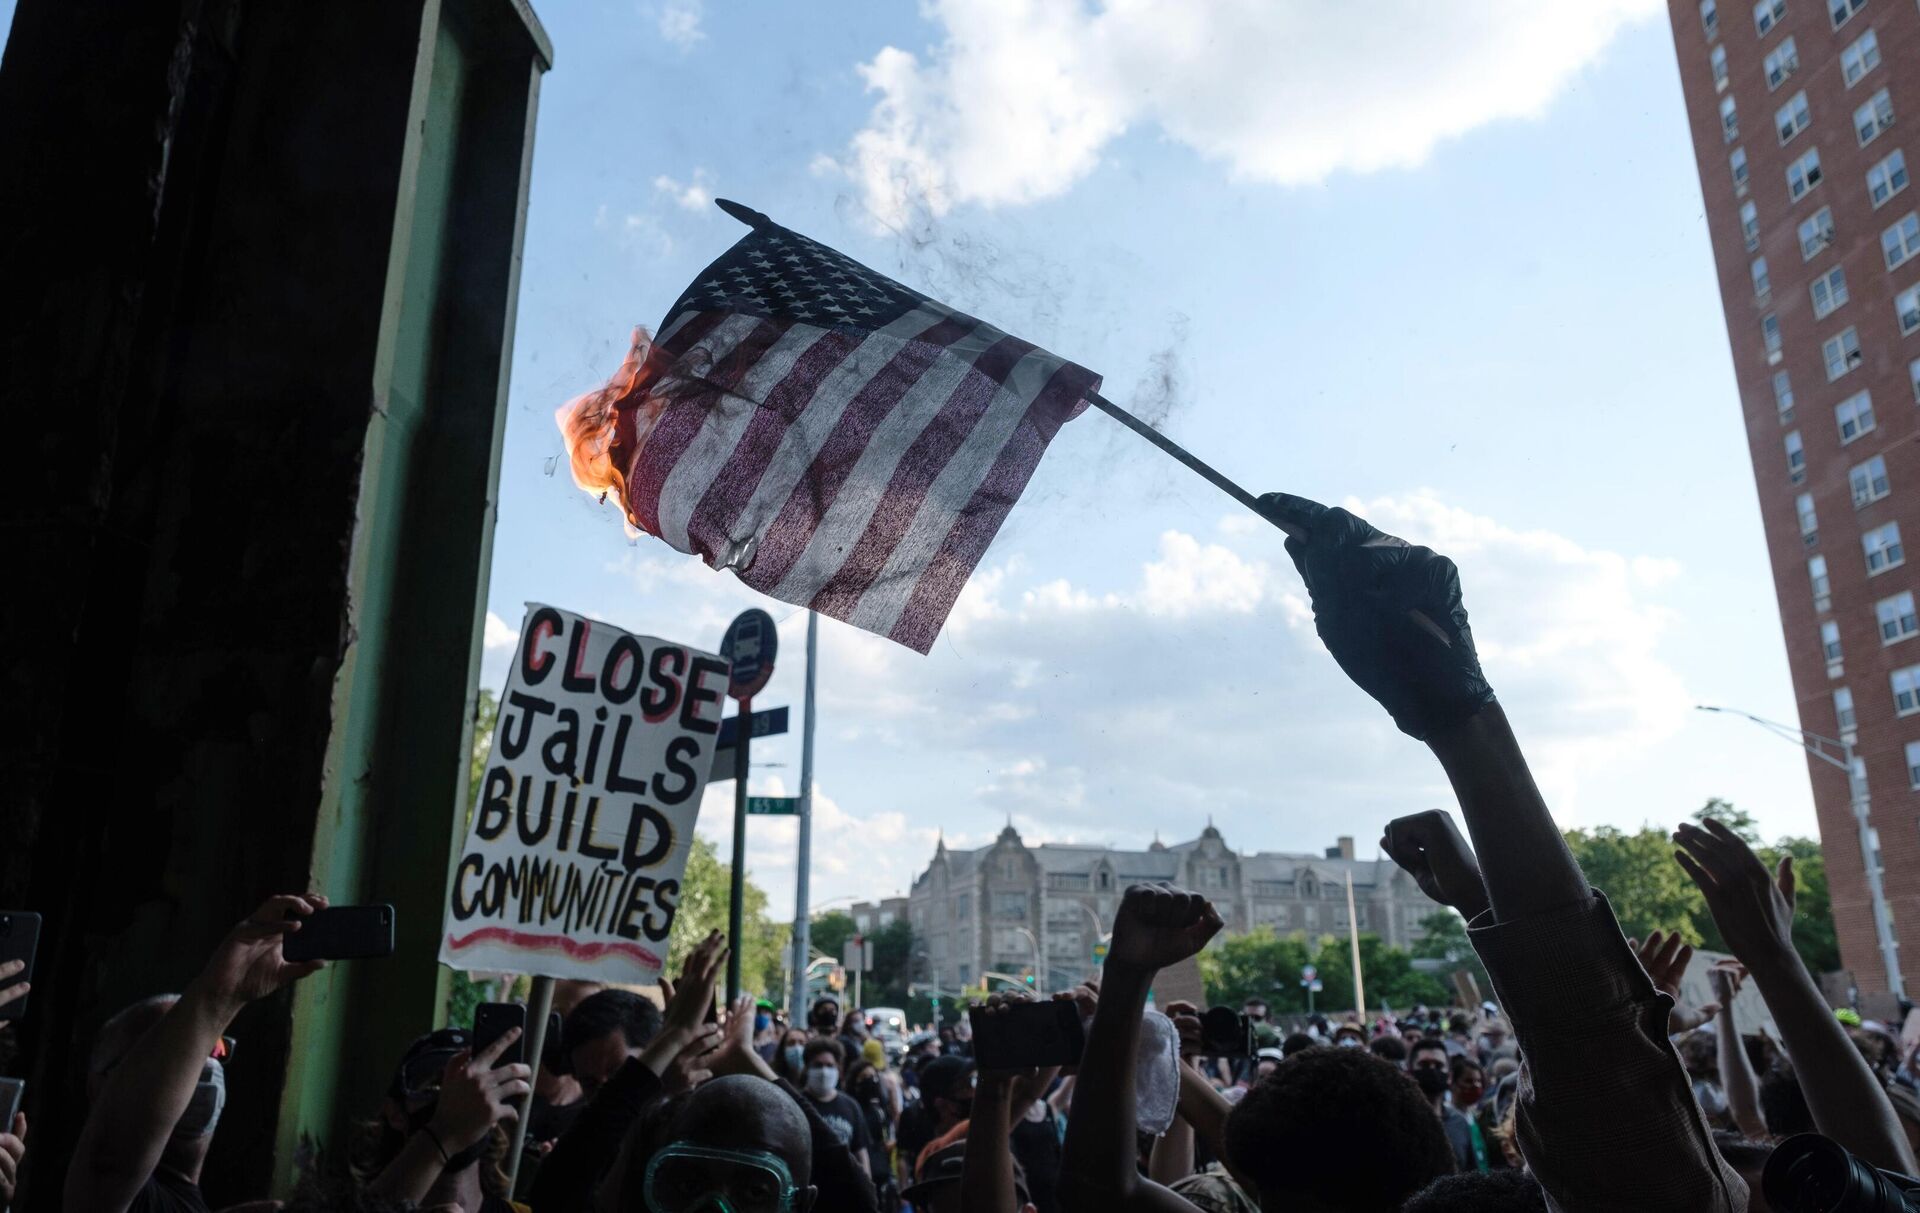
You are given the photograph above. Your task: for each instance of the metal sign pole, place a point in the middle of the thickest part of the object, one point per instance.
(737, 895)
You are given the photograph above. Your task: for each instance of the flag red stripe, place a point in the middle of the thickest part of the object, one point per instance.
(946, 575)
(786, 539)
(682, 420)
(915, 473)
(710, 526)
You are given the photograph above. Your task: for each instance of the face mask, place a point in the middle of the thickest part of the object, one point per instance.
(796, 1057)
(1432, 1080)
(821, 1080)
(1347, 1042)
(761, 1022)
(203, 1110)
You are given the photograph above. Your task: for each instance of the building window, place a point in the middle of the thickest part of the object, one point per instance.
(1816, 232)
(1796, 458)
(1010, 905)
(1829, 291)
(1843, 717)
(1830, 641)
(1790, 119)
(1738, 162)
(1882, 545)
(1842, 11)
(1767, 14)
(1809, 521)
(963, 907)
(1783, 62)
(1868, 481)
(1803, 174)
(1906, 305)
(1873, 117)
(1887, 178)
(1896, 617)
(1770, 334)
(1855, 415)
(1718, 60)
(1710, 18)
(1901, 241)
(1860, 58)
(1783, 396)
(1750, 224)
(1729, 120)
(1842, 352)
(1822, 587)
(1913, 765)
(1906, 691)
(1762, 285)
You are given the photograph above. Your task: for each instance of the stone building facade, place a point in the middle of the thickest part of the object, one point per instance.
(1012, 908)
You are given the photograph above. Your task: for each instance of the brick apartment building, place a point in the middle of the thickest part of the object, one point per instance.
(1801, 113)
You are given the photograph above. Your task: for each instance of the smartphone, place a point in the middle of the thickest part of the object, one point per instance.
(491, 1021)
(12, 1092)
(19, 939)
(1225, 1032)
(1025, 1034)
(341, 933)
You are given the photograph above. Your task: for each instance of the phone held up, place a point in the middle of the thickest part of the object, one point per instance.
(1024, 1034)
(19, 939)
(341, 933)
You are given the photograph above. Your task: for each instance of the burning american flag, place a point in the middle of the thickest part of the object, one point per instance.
(838, 440)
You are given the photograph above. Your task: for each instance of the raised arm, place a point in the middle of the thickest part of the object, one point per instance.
(1754, 911)
(475, 1094)
(1736, 1068)
(146, 1093)
(1157, 925)
(1604, 1083)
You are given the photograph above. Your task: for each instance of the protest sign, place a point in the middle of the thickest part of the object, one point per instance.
(584, 820)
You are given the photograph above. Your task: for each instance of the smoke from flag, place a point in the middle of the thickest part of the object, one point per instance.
(838, 440)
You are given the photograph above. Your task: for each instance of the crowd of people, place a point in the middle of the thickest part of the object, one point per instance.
(1589, 1084)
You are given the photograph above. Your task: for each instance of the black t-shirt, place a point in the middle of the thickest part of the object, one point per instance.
(1036, 1146)
(846, 1120)
(167, 1193)
(915, 1131)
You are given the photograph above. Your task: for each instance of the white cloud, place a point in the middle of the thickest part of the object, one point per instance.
(679, 22)
(1019, 98)
(695, 195)
(499, 633)
(637, 233)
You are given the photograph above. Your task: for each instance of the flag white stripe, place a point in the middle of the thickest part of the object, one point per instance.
(880, 606)
(866, 485)
(809, 432)
(727, 419)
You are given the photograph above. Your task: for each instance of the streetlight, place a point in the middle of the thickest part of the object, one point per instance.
(1039, 964)
(1819, 746)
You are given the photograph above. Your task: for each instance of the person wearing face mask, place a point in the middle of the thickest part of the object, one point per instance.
(438, 1140)
(1429, 1066)
(946, 1099)
(1350, 1036)
(789, 1060)
(823, 1060)
(157, 1075)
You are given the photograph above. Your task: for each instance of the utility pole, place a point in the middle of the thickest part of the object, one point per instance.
(796, 1010)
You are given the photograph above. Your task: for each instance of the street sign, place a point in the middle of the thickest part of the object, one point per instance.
(1099, 953)
(857, 954)
(769, 723)
(749, 646)
(1314, 985)
(1308, 973)
(772, 806)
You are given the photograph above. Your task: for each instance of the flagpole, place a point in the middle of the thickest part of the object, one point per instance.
(1206, 470)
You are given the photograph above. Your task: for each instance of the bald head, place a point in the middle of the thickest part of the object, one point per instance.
(743, 1112)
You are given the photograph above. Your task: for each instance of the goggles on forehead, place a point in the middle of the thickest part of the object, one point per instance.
(686, 1178)
(420, 1076)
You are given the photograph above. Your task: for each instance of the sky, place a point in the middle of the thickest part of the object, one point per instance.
(1450, 269)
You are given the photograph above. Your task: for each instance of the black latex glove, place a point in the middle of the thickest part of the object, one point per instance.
(1389, 612)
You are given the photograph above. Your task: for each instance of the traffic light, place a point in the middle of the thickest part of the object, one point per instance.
(836, 979)
(1029, 979)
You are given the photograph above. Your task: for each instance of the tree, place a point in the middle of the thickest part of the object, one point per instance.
(1443, 936)
(1738, 820)
(1647, 889)
(1255, 964)
(892, 961)
(1387, 972)
(704, 901)
(829, 933)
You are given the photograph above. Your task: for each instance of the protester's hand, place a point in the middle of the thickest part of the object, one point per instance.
(1085, 998)
(1186, 1022)
(693, 1064)
(1429, 848)
(1752, 907)
(13, 1147)
(1726, 977)
(690, 1000)
(1159, 925)
(1020, 1085)
(475, 1094)
(248, 964)
(737, 1054)
(1389, 612)
(1665, 958)
(18, 990)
